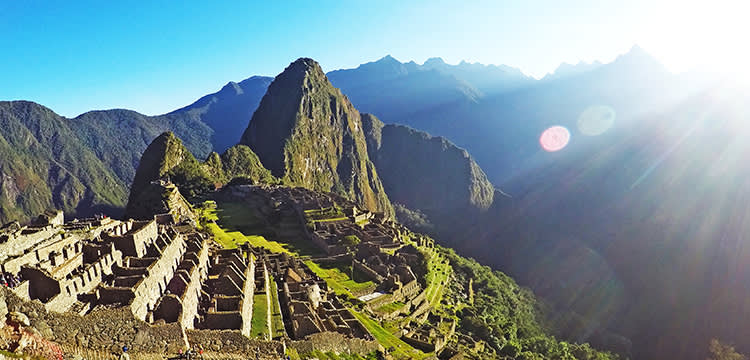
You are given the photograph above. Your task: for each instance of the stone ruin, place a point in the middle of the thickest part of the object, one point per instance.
(155, 268)
(375, 246)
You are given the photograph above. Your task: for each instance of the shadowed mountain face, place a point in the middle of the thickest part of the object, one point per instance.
(662, 208)
(501, 129)
(394, 91)
(309, 134)
(228, 111)
(427, 173)
(213, 123)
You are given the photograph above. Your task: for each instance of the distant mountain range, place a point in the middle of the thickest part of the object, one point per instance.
(633, 231)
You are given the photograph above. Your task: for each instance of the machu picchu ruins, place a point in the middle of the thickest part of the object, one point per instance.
(169, 270)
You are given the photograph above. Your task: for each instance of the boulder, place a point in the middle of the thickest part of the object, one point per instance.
(18, 318)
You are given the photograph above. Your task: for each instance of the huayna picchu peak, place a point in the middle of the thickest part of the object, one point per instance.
(307, 133)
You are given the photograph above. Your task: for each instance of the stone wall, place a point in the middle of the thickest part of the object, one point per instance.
(191, 297)
(161, 271)
(334, 342)
(246, 308)
(232, 341)
(24, 239)
(84, 282)
(358, 265)
(135, 242)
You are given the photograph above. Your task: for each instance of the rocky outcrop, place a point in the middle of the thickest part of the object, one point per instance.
(167, 165)
(308, 134)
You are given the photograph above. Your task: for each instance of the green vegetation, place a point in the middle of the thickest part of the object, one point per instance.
(277, 323)
(351, 240)
(438, 271)
(426, 172)
(166, 156)
(259, 320)
(337, 278)
(12, 355)
(401, 350)
(505, 316)
(238, 216)
(325, 214)
(44, 165)
(389, 308)
(721, 351)
(413, 219)
(231, 239)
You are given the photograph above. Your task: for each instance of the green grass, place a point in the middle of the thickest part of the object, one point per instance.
(324, 214)
(9, 354)
(277, 323)
(331, 219)
(402, 350)
(259, 321)
(317, 354)
(389, 308)
(437, 275)
(337, 278)
(238, 222)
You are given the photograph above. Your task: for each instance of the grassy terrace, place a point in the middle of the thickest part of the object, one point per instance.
(337, 278)
(438, 272)
(389, 308)
(259, 321)
(402, 350)
(277, 323)
(328, 214)
(231, 222)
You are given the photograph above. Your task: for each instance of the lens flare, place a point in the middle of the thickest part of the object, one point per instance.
(554, 138)
(595, 120)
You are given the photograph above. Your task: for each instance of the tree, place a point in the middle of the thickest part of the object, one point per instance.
(721, 351)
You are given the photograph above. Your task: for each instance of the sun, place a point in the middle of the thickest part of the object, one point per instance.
(706, 36)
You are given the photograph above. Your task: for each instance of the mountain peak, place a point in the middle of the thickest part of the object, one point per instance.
(434, 61)
(231, 87)
(387, 58)
(303, 64)
(637, 55)
(308, 133)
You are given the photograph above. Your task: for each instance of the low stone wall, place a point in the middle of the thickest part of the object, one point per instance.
(232, 341)
(367, 271)
(334, 342)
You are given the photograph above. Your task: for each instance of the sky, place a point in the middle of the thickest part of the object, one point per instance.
(157, 56)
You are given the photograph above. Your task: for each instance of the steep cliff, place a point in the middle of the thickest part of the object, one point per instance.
(308, 134)
(426, 173)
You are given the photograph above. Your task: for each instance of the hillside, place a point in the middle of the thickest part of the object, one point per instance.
(167, 158)
(308, 134)
(43, 166)
(212, 123)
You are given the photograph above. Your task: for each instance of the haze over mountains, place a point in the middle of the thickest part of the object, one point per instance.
(635, 230)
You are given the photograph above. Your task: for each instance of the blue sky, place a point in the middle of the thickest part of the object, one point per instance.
(156, 56)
